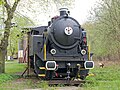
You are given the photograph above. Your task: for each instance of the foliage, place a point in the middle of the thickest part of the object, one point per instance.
(20, 22)
(41, 10)
(1, 2)
(105, 29)
(10, 10)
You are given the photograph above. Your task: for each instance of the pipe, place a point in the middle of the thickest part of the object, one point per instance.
(89, 52)
(45, 51)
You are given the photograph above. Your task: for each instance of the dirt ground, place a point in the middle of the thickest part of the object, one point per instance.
(34, 84)
(60, 88)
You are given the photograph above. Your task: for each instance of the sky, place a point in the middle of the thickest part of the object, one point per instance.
(81, 10)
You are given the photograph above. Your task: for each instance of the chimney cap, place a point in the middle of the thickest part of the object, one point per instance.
(63, 9)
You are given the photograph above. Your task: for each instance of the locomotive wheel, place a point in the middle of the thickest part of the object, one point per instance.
(83, 74)
(49, 75)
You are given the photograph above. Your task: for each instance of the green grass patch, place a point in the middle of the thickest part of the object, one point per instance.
(6, 77)
(11, 70)
(107, 78)
(12, 67)
(21, 84)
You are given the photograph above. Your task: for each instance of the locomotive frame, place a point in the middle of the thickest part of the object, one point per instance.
(53, 58)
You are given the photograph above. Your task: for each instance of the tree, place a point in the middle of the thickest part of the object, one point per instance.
(4, 41)
(19, 21)
(40, 11)
(106, 26)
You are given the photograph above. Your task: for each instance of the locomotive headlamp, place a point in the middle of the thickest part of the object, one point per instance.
(51, 65)
(83, 51)
(53, 51)
(68, 30)
(89, 64)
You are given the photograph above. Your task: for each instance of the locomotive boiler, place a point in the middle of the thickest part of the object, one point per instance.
(60, 50)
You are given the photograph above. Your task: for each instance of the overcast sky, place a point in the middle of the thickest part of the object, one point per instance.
(81, 10)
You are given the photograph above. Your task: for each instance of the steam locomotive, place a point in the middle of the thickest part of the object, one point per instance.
(60, 50)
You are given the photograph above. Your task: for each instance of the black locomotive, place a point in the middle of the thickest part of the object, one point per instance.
(60, 49)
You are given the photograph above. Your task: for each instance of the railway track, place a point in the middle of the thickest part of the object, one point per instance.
(66, 82)
(57, 81)
(61, 81)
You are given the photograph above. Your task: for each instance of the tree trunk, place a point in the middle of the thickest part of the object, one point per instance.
(4, 41)
(2, 61)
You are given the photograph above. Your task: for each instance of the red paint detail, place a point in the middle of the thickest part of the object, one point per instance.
(84, 40)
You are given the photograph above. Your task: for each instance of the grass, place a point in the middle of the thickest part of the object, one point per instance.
(107, 78)
(22, 84)
(6, 77)
(12, 67)
(12, 81)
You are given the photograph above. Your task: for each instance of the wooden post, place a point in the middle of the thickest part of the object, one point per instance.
(28, 59)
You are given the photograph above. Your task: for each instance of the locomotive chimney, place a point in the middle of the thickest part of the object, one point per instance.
(64, 11)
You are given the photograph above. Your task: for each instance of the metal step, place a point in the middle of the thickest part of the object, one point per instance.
(42, 68)
(41, 75)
